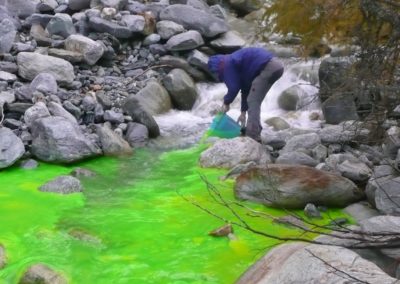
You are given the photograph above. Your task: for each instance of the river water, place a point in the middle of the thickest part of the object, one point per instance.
(131, 224)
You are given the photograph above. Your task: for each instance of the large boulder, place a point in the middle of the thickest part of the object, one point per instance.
(228, 42)
(303, 141)
(62, 185)
(7, 35)
(387, 195)
(91, 50)
(11, 147)
(138, 112)
(291, 186)
(31, 64)
(194, 19)
(56, 139)
(386, 225)
(339, 108)
(181, 89)
(304, 263)
(41, 273)
(154, 98)
(227, 153)
(137, 134)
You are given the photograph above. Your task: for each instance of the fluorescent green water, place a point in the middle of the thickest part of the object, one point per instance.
(129, 225)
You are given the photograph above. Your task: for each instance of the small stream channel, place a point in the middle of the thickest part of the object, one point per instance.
(131, 224)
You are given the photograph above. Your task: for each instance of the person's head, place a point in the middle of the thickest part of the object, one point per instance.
(215, 65)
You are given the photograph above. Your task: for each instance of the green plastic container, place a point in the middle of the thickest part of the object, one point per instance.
(224, 126)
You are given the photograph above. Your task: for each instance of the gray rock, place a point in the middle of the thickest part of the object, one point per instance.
(61, 24)
(11, 147)
(7, 35)
(384, 224)
(113, 116)
(387, 196)
(277, 123)
(167, 29)
(333, 71)
(194, 19)
(199, 60)
(391, 143)
(227, 153)
(135, 23)
(185, 41)
(9, 67)
(91, 50)
(70, 56)
(229, 41)
(154, 98)
(339, 108)
(38, 110)
(361, 211)
(319, 153)
(296, 158)
(6, 97)
(32, 64)
(137, 135)
(82, 172)
(181, 88)
(7, 77)
(57, 109)
(21, 8)
(177, 62)
(78, 5)
(312, 211)
(135, 109)
(355, 171)
(112, 143)
(62, 185)
(303, 263)
(290, 98)
(117, 4)
(103, 26)
(290, 186)
(47, 6)
(44, 83)
(343, 133)
(246, 6)
(29, 164)
(218, 11)
(151, 39)
(88, 103)
(303, 141)
(56, 139)
(23, 47)
(72, 109)
(39, 19)
(40, 35)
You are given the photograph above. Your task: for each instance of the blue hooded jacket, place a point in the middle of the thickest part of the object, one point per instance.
(238, 70)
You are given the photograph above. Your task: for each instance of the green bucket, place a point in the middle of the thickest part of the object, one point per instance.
(224, 126)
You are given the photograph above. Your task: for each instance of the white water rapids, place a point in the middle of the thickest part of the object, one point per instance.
(181, 129)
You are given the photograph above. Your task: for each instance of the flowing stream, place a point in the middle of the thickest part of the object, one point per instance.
(131, 224)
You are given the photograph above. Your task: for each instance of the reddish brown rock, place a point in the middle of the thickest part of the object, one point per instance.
(292, 186)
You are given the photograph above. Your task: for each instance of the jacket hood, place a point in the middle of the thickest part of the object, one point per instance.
(215, 64)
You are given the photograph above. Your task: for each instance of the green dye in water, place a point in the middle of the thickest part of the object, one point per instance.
(130, 225)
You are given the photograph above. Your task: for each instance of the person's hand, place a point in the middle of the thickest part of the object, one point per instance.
(242, 119)
(224, 108)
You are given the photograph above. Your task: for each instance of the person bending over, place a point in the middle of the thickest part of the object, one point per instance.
(252, 71)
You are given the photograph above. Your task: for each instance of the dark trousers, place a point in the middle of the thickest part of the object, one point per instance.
(259, 89)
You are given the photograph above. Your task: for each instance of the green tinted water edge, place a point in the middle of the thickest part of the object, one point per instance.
(130, 225)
